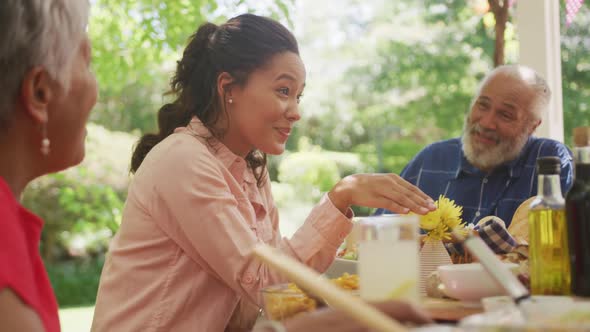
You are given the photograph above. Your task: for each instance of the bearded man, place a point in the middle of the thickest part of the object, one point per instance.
(490, 170)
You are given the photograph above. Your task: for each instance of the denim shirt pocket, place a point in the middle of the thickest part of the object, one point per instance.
(506, 208)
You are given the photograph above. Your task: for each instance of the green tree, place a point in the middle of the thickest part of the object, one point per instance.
(82, 206)
(136, 43)
(411, 69)
(575, 69)
(422, 79)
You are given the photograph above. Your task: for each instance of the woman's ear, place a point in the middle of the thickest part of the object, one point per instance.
(36, 92)
(224, 85)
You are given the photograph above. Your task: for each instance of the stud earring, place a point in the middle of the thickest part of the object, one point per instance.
(231, 101)
(45, 144)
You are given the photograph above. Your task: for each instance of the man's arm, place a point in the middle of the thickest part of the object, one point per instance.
(567, 165)
(549, 147)
(567, 172)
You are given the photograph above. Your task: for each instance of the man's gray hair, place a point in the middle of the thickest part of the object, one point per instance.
(542, 92)
(43, 33)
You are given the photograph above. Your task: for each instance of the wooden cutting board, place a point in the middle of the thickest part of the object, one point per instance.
(447, 310)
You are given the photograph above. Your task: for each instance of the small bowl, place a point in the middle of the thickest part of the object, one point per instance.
(470, 282)
(284, 300)
(341, 266)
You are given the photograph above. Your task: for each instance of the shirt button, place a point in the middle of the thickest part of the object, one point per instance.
(477, 214)
(485, 180)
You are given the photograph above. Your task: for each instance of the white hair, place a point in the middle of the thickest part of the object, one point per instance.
(43, 33)
(542, 92)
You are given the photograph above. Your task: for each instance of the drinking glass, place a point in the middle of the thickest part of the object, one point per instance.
(388, 260)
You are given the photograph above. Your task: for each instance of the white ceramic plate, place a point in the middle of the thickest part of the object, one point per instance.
(340, 266)
(542, 313)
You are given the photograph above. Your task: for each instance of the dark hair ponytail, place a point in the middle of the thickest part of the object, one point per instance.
(170, 117)
(174, 115)
(239, 47)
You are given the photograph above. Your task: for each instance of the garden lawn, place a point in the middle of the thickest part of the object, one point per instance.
(76, 319)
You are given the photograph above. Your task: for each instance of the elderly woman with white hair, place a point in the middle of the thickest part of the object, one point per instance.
(47, 93)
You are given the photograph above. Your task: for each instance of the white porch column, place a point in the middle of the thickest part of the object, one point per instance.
(537, 26)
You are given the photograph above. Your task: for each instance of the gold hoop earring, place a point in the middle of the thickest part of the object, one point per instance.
(45, 144)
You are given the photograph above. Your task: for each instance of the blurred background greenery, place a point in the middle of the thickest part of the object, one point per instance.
(385, 78)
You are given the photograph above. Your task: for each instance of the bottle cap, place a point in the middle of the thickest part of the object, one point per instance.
(582, 136)
(548, 165)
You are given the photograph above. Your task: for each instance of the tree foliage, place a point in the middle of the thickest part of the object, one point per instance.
(412, 69)
(417, 65)
(136, 43)
(575, 70)
(385, 78)
(82, 206)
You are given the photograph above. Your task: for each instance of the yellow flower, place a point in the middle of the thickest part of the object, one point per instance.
(449, 212)
(439, 223)
(430, 220)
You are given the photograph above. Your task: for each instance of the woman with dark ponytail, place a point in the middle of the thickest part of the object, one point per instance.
(201, 198)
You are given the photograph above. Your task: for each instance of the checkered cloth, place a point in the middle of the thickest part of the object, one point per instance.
(493, 232)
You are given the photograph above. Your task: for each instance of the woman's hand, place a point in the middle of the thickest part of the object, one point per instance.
(329, 319)
(388, 191)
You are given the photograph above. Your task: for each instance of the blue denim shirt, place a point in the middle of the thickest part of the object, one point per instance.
(442, 169)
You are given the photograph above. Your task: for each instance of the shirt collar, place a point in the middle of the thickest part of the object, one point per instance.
(513, 167)
(234, 163)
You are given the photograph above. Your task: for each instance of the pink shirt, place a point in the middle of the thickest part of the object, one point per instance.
(181, 259)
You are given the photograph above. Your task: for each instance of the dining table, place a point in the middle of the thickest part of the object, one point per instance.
(444, 310)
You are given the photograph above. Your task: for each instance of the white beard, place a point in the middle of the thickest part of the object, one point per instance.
(488, 158)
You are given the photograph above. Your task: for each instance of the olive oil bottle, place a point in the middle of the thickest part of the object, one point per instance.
(548, 247)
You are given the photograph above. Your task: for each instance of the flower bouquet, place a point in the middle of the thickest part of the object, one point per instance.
(437, 226)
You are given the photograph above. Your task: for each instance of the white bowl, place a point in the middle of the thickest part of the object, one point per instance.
(470, 282)
(340, 266)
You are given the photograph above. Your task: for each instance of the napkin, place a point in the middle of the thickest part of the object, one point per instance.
(493, 232)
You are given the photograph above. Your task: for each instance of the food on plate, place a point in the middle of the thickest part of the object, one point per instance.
(519, 256)
(286, 300)
(348, 252)
(347, 281)
(433, 286)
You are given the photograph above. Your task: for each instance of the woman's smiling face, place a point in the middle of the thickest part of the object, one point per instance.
(262, 113)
